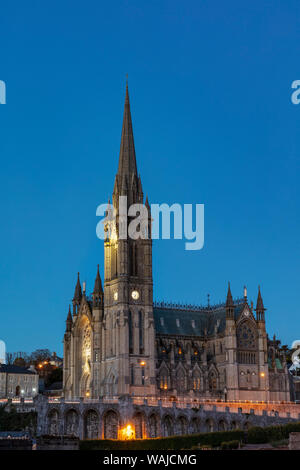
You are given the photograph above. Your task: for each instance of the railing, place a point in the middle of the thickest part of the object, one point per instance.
(193, 307)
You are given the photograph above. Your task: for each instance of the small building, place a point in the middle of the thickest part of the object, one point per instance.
(18, 381)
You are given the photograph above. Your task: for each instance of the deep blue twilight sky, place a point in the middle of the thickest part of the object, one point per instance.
(210, 90)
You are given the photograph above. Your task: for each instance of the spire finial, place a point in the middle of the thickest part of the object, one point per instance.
(229, 300)
(127, 159)
(98, 284)
(69, 319)
(77, 293)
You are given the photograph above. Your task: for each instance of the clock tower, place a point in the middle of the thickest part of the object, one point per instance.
(128, 343)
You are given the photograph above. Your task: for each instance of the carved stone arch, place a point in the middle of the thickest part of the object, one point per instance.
(164, 380)
(139, 420)
(53, 422)
(91, 421)
(84, 310)
(110, 383)
(213, 379)
(197, 379)
(168, 425)
(153, 425)
(179, 349)
(222, 425)
(181, 425)
(111, 422)
(234, 425)
(181, 379)
(84, 333)
(209, 425)
(71, 422)
(194, 425)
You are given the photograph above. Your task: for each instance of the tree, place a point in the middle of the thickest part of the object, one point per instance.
(40, 355)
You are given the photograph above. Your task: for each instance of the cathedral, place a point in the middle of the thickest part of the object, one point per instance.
(119, 342)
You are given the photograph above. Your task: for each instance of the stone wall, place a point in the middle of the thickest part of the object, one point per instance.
(294, 441)
(94, 419)
(57, 443)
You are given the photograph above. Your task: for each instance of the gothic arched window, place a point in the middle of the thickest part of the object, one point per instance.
(246, 336)
(196, 381)
(181, 381)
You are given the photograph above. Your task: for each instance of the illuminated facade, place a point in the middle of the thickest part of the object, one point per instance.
(119, 342)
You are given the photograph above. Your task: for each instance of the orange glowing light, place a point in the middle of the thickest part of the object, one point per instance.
(142, 363)
(179, 351)
(262, 374)
(40, 366)
(127, 433)
(165, 387)
(87, 394)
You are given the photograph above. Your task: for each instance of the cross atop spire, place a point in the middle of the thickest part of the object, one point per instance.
(127, 159)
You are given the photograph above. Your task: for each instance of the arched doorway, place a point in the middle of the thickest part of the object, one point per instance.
(181, 426)
(139, 424)
(209, 425)
(168, 427)
(153, 426)
(91, 425)
(194, 426)
(71, 423)
(53, 423)
(222, 425)
(111, 425)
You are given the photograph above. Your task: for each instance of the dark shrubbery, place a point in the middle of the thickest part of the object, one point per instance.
(257, 435)
(225, 440)
(14, 421)
(230, 445)
(213, 439)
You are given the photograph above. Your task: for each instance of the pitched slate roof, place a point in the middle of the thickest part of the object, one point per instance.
(180, 321)
(11, 369)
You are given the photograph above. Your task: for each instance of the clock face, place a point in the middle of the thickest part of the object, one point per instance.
(115, 295)
(135, 295)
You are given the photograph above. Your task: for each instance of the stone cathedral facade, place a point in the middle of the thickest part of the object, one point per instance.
(118, 342)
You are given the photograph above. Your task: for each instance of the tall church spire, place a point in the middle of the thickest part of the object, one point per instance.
(78, 292)
(77, 296)
(229, 304)
(127, 160)
(260, 309)
(98, 284)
